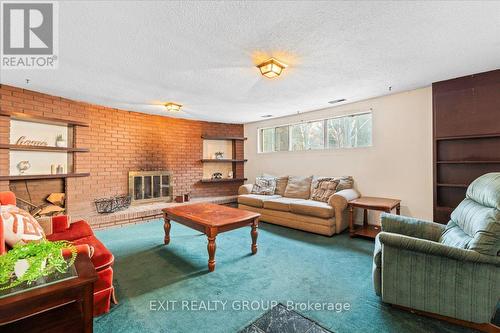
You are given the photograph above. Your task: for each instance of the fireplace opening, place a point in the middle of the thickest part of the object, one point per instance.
(150, 186)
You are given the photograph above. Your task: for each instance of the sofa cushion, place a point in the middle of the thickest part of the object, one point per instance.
(281, 183)
(473, 227)
(255, 200)
(282, 204)
(312, 208)
(19, 226)
(324, 189)
(298, 187)
(345, 182)
(264, 185)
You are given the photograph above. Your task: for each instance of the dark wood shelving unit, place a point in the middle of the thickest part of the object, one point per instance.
(466, 136)
(223, 180)
(44, 148)
(224, 160)
(54, 176)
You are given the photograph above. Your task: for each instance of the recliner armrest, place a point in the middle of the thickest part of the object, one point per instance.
(412, 227)
(435, 249)
(245, 189)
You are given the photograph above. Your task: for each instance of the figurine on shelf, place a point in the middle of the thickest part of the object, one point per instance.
(217, 175)
(23, 166)
(219, 155)
(60, 142)
(230, 174)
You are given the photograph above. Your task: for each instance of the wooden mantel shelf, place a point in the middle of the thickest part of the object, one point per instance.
(44, 148)
(223, 180)
(61, 175)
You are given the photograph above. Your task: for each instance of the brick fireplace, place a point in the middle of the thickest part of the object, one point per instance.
(120, 141)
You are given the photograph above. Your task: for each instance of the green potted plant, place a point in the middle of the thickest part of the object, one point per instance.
(29, 262)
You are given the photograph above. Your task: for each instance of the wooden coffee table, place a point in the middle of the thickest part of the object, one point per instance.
(373, 203)
(211, 219)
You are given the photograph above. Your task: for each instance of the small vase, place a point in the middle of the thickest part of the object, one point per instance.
(61, 144)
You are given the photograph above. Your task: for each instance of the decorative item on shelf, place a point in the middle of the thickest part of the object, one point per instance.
(187, 197)
(53, 169)
(60, 142)
(217, 175)
(219, 155)
(179, 198)
(22, 141)
(230, 174)
(113, 204)
(60, 169)
(23, 166)
(26, 263)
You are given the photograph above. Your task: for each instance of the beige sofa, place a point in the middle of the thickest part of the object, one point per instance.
(325, 218)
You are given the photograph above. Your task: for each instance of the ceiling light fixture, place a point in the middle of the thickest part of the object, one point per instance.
(271, 68)
(337, 101)
(173, 107)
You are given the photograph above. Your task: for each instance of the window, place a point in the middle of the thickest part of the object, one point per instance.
(341, 132)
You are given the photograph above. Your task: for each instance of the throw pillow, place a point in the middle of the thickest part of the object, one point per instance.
(298, 187)
(19, 226)
(264, 186)
(325, 188)
(281, 183)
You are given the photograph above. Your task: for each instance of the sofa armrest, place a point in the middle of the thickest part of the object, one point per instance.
(60, 223)
(245, 189)
(340, 199)
(80, 249)
(412, 227)
(436, 249)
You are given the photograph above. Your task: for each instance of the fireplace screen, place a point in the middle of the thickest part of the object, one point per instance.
(147, 186)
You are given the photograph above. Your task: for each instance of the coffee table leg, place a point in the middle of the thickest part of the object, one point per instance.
(255, 234)
(211, 253)
(166, 227)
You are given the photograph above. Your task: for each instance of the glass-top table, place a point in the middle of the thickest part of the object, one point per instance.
(44, 281)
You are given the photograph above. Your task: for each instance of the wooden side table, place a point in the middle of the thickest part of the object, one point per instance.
(65, 306)
(373, 203)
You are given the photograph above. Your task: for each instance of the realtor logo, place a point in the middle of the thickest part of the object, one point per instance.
(29, 35)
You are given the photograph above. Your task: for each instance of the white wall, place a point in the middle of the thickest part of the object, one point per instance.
(398, 165)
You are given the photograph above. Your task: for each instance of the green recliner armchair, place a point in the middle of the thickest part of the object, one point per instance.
(451, 270)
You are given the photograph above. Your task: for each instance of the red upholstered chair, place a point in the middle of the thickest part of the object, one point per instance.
(81, 235)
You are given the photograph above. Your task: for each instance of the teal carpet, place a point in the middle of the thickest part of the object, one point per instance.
(290, 266)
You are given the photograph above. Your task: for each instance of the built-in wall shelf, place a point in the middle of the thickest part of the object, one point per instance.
(55, 176)
(208, 137)
(223, 160)
(223, 180)
(468, 162)
(452, 185)
(43, 120)
(44, 148)
(466, 136)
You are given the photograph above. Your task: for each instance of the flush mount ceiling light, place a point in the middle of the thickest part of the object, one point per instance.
(173, 107)
(271, 68)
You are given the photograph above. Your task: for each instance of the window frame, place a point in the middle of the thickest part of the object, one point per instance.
(326, 145)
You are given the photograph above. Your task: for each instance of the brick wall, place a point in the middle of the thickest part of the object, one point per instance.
(121, 141)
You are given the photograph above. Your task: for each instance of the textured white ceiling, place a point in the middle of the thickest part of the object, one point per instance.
(129, 54)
